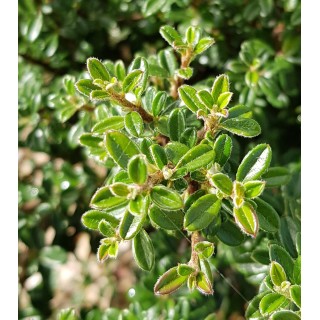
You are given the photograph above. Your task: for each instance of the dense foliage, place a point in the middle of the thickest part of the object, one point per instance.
(164, 131)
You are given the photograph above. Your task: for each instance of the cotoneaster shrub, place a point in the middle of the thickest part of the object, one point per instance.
(172, 145)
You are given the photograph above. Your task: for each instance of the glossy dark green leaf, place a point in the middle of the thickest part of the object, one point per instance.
(203, 45)
(91, 141)
(280, 255)
(176, 124)
(277, 273)
(193, 197)
(295, 293)
(104, 199)
(271, 302)
(196, 158)
(106, 229)
(137, 169)
(222, 148)
(132, 80)
(168, 220)
(112, 123)
(211, 230)
(158, 155)
(120, 148)
(252, 311)
(130, 225)
(202, 212)
(288, 234)
(171, 36)
(255, 163)
(134, 123)
(220, 85)
(166, 198)
(189, 96)
(92, 218)
(247, 220)
(253, 188)
(297, 271)
(175, 151)
(230, 234)
(261, 256)
(144, 147)
(285, 315)
(97, 70)
(242, 127)
(142, 250)
(168, 60)
(140, 63)
(222, 182)
(276, 177)
(269, 220)
(85, 86)
(159, 102)
(189, 137)
(169, 282)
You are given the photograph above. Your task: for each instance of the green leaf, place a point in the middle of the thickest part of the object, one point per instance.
(120, 70)
(99, 95)
(159, 156)
(97, 70)
(184, 73)
(169, 282)
(297, 271)
(269, 220)
(139, 206)
(142, 250)
(202, 212)
(222, 182)
(206, 98)
(203, 45)
(271, 302)
(92, 218)
(85, 86)
(130, 225)
(189, 96)
(295, 293)
(120, 148)
(205, 268)
(193, 197)
(242, 127)
(203, 283)
(175, 151)
(137, 169)
(288, 233)
(168, 60)
(151, 6)
(280, 255)
(144, 147)
(205, 249)
(253, 188)
(276, 177)
(122, 176)
(224, 99)
(255, 163)
(251, 78)
(261, 256)
(211, 230)
(171, 36)
(91, 141)
(246, 219)
(285, 315)
(192, 35)
(67, 314)
(103, 252)
(277, 273)
(112, 123)
(157, 71)
(106, 229)
(120, 189)
(220, 85)
(113, 249)
(159, 102)
(176, 124)
(222, 148)
(198, 157)
(166, 198)
(134, 124)
(140, 63)
(104, 199)
(230, 234)
(189, 137)
(168, 220)
(131, 80)
(252, 311)
(240, 111)
(184, 270)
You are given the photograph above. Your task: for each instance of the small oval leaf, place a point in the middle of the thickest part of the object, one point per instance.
(143, 252)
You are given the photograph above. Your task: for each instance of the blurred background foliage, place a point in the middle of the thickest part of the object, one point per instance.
(257, 45)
